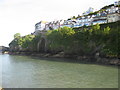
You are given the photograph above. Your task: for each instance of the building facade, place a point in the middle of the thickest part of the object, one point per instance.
(113, 17)
(40, 25)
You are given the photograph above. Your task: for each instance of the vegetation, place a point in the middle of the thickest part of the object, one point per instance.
(106, 7)
(102, 39)
(86, 41)
(61, 38)
(25, 43)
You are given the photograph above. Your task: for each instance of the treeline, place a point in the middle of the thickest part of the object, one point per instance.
(103, 39)
(24, 43)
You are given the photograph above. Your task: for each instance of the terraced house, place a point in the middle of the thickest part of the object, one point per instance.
(107, 14)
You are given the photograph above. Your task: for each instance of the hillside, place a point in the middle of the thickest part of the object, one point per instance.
(102, 38)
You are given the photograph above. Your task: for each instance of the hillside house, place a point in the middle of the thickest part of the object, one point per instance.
(112, 9)
(113, 17)
(85, 20)
(40, 26)
(117, 3)
(99, 20)
(61, 23)
(56, 24)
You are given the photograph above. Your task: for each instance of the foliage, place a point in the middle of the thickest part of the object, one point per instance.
(23, 42)
(81, 41)
(17, 35)
(73, 17)
(59, 37)
(27, 41)
(106, 7)
(87, 41)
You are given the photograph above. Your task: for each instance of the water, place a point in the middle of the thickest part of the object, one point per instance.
(30, 72)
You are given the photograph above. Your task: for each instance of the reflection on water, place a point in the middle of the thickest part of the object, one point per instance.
(28, 72)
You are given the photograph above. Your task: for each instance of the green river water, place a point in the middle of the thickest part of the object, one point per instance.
(31, 72)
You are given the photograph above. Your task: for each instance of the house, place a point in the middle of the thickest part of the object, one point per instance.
(67, 23)
(40, 25)
(50, 26)
(37, 26)
(79, 22)
(73, 22)
(61, 23)
(56, 24)
(100, 19)
(117, 3)
(112, 9)
(113, 17)
(85, 20)
(47, 26)
(88, 21)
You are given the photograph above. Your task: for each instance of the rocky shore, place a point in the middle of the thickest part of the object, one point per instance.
(90, 59)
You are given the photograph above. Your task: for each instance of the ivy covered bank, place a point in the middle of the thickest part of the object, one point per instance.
(85, 43)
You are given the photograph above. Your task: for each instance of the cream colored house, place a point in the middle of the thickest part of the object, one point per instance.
(113, 17)
(40, 26)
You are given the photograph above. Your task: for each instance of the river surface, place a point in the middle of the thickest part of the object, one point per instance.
(32, 72)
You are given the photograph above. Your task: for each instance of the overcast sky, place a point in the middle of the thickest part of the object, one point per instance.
(20, 16)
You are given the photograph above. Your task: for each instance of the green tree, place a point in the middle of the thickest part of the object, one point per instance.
(27, 41)
(60, 38)
(17, 35)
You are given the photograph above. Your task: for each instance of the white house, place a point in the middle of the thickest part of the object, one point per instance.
(112, 9)
(40, 26)
(113, 17)
(117, 3)
(47, 26)
(56, 24)
(37, 26)
(78, 22)
(85, 20)
(67, 23)
(99, 20)
(61, 23)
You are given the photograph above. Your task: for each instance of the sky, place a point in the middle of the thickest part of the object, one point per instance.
(20, 16)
